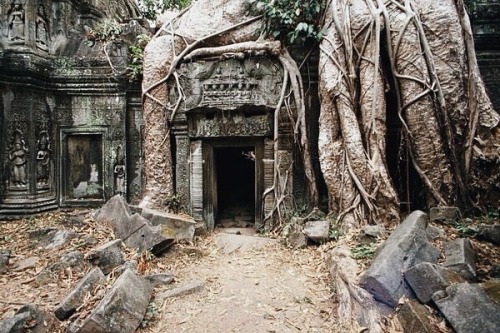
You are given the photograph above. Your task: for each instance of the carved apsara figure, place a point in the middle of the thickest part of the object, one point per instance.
(41, 28)
(16, 22)
(18, 161)
(43, 160)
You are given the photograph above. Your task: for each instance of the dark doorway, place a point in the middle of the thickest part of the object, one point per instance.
(235, 174)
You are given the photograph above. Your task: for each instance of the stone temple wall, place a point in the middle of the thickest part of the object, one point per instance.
(70, 119)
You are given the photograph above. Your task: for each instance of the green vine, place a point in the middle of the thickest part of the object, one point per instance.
(290, 21)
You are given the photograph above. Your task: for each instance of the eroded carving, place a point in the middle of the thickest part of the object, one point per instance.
(42, 32)
(18, 161)
(43, 160)
(16, 22)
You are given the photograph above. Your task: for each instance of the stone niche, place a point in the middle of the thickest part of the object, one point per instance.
(70, 120)
(224, 139)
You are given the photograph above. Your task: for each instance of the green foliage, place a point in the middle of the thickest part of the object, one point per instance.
(152, 314)
(362, 251)
(174, 204)
(464, 230)
(64, 65)
(107, 30)
(291, 21)
(151, 8)
(135, 65)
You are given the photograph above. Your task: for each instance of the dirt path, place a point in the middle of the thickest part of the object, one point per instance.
(268, 289)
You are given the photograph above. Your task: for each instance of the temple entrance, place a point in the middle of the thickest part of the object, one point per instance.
(236, 189)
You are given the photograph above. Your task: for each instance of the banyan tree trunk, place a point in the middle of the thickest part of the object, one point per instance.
(440, 100)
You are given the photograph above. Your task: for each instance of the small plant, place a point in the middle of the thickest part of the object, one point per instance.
(463, 229)
(64, 65)
(135, 66)
(174, 204)
(107, 30)
(362, 251)
(151, 314)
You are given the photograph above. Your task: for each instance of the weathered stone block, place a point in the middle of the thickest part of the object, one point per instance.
(122, 308)
(489, 233)
(187, 289)
(117, 214)
(296, 240)
(26, 264)
(414, 317)
(160, 279)
(49, 274)
(317, 231)
(143, 236)
(444, 214)
(461, 258)
(172, 225)
(30, 319)
(468, 308)
(4, 260)
(406, 247)
(76, 297)
(425, 279)
(107, 256)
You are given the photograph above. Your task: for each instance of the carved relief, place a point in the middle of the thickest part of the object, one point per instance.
(43, 160)
(16, 22)
(18, 158)
(119, 172)
(42, 31)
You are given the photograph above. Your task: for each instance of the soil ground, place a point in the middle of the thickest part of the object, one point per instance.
(251, 284)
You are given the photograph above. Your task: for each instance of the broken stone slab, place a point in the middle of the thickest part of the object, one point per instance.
(135, 230)
(230, 243)
(468, 308)
(172, 225)
(107, 256)
(30, 319)
(446, 215)
(489, 233)
(435, 232)
(375, 231)
(426, 278)
(50, 238)
(122, 308)
(76, 297)
(143, 236)
(317, 231)
(187, 289)
(414, 317)
(461, 258)
(160, 279)
(49, 274)
(26, 264)
(296, 240)
(405, 247)
(4, 260)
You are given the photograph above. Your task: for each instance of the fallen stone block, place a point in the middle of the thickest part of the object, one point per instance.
(414, 317)
(172, 225)
(136, 231)
(317, 231)
(468, 308)
(461, 258)
(26, 264)
(425, 279)
(445, 215)
(51, 239)
(4, 260)
(49, 274)
(147, 237)
(76, 297)
(187, 289)
(375, 231)
(435, 232)
(30, 319)
(406, 247)
(122, 308)
(107, 256)
(296, 240)
(160, 279)
(489, 233)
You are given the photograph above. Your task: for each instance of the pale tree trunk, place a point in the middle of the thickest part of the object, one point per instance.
(444, 112)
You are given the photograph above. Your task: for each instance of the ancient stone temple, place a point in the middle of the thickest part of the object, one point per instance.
(67, 109)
